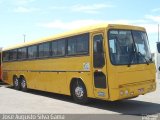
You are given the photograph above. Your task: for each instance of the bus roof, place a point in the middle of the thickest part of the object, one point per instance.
(75, 32)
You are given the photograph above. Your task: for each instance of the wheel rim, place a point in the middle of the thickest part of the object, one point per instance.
(16, 82)
(79, 91)
(23, 83)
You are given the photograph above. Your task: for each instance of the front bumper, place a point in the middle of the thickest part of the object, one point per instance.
(132, 90)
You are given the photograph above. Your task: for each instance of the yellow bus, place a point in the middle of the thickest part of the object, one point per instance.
(108, 61)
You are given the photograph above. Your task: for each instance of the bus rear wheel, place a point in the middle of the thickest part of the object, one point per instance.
(16, 83)
(79, 92)
(23, 84)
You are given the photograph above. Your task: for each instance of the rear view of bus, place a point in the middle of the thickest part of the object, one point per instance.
(131, 71)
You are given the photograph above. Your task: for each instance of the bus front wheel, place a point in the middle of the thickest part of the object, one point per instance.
(79, 92)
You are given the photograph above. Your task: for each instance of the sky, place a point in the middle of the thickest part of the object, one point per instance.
(42, 18)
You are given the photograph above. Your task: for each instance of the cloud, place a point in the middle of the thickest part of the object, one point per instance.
(24, 10)
(23, 2)
(155, 10)
(150, 27)
(59, 8)
(94, 8)
(153, 18)
(22, 6)
(58, 24)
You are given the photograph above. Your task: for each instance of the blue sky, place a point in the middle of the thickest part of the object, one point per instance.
(41, 18)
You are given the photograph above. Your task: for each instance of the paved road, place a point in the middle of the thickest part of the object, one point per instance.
(13, 101)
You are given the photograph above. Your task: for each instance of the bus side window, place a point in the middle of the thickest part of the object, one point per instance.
(78, 45)
(5, 56)
(32, 52)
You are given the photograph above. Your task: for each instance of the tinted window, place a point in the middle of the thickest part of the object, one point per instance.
(44, 50)
(128, 47)
(5, 56)
(61, 47)
(22, 53)
(98, 58)
(13, 55)
(98, 44)
(78, 44)
(72, 46)
(82, 44)
(40, 52)
(32, 52)
(121, 47)
(58, 48)
(54, 48)
(142, 46)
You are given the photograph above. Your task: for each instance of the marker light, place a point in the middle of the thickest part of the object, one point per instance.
(126, 92)
(121, 92)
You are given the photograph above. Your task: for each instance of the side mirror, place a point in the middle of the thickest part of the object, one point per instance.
(158, 47)
(153, 57)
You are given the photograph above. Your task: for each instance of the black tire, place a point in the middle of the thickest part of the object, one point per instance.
(23, 84)
(16, 83)
(79, 92)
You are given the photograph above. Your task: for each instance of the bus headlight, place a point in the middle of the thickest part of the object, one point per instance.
(121, 93)
(132, 93)
(126, 92)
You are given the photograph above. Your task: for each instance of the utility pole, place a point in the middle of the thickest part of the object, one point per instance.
(158, 32)
(24, 38)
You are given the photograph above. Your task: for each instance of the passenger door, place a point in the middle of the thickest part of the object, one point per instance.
(99, 66)
(158, 60)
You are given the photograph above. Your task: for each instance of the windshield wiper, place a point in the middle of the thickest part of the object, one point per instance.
(147, 62)
(131, 58)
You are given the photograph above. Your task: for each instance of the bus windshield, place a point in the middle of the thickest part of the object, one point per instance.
(129, 47)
